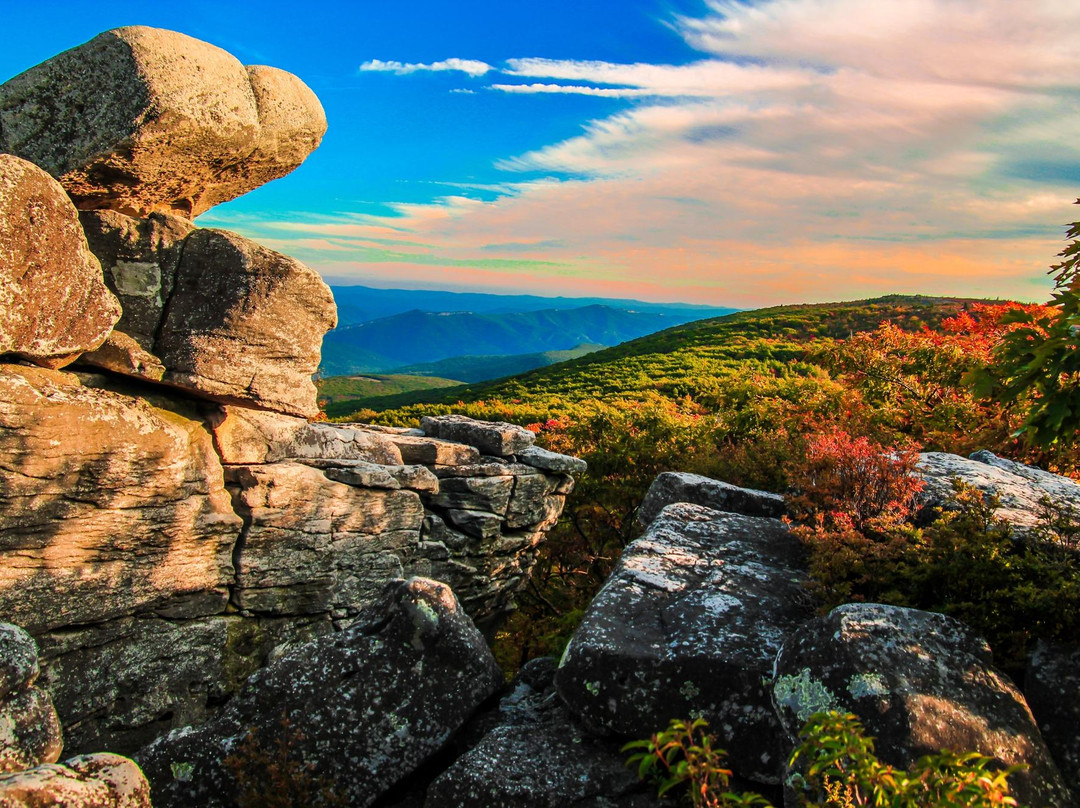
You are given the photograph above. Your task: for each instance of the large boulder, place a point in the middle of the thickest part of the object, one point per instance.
(140, 119)
(689, 624)
(350, 714)
(109, 505)
(53, 301)
(1052, 685)
(920, 682)
(87, 781)
(496, 438)
(673, 486)
(1020, 489)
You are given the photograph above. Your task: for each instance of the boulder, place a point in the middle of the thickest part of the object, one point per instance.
(18, 660)
(87, 781)
(139, 258)
(670, 487)
(349, 714)
(919, 682)
(536, 756)
(29, 731)
(53, 302)
(140, 119)
(244, 436)
(316, 545)
(689, 623)
(489, 437)
(1051, 686)
(552, 461)
(245, 324)
(109, 505)
(1018, 487)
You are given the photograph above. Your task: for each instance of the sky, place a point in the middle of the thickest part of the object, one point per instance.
(705, 151)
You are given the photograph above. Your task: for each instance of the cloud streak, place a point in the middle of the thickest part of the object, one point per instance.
(818, 149)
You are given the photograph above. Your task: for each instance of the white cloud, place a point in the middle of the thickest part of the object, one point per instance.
(470, 66)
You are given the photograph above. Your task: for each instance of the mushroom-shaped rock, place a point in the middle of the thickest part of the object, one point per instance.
(53, 302)
(87, 781)
(355, 711)
(920, 682)
(141, 119)
(689, 623)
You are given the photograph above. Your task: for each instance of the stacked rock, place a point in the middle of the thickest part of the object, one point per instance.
(31, 743)
(170, 521)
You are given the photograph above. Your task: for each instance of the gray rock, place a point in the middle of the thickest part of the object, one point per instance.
(29, 731)
(363, 708)
(311, 544)
(140, 119)
(245, 436)
(671, 487)
(87, 781)
(491, 494)
(139, 258)
(53, 302)
(433, 452)
(919, 682)
(18, 660)
(689, 623)
(245, 324)
(536, 756)
(552, 461)
(1052, 688)
(481, 524)
(362, 475)
(489, 437)
(1018, 487)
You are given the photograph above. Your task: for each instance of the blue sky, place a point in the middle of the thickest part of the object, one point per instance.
(722, 152)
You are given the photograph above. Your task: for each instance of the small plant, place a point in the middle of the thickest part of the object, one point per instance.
(683, 756)
(836, 767)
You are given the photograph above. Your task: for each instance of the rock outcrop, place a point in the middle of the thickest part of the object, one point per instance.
(358, 710)
(689, 623)
(53, 304)
(139, 120)
(920, 682)
(672, 486)
(87, 781)
(1020, 488)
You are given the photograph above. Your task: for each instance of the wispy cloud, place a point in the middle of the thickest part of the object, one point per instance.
(818, 149)
(470, 66)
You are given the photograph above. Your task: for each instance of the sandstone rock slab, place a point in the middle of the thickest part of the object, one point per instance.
(109, 505)
(670, 487)
(245, 324)
(141, 119)
(87, 781)
(495, 438)
(919, 682)
(245, 436)
(53, 301)
(689, 623)
(366, 706)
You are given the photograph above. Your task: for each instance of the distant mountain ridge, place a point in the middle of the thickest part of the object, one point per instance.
(422, 337)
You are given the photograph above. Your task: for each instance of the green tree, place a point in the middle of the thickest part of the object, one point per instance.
(1037, 365)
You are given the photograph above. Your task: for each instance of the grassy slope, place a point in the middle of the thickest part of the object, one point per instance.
(338, 391)
(678, 361)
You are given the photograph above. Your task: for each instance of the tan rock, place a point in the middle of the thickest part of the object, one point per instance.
(122, 354)
(140, 119)
(245, 436)
(245, 324)
(53, 302)
(108, 505)
(29, 731)
(291, 126)
(89, 781)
